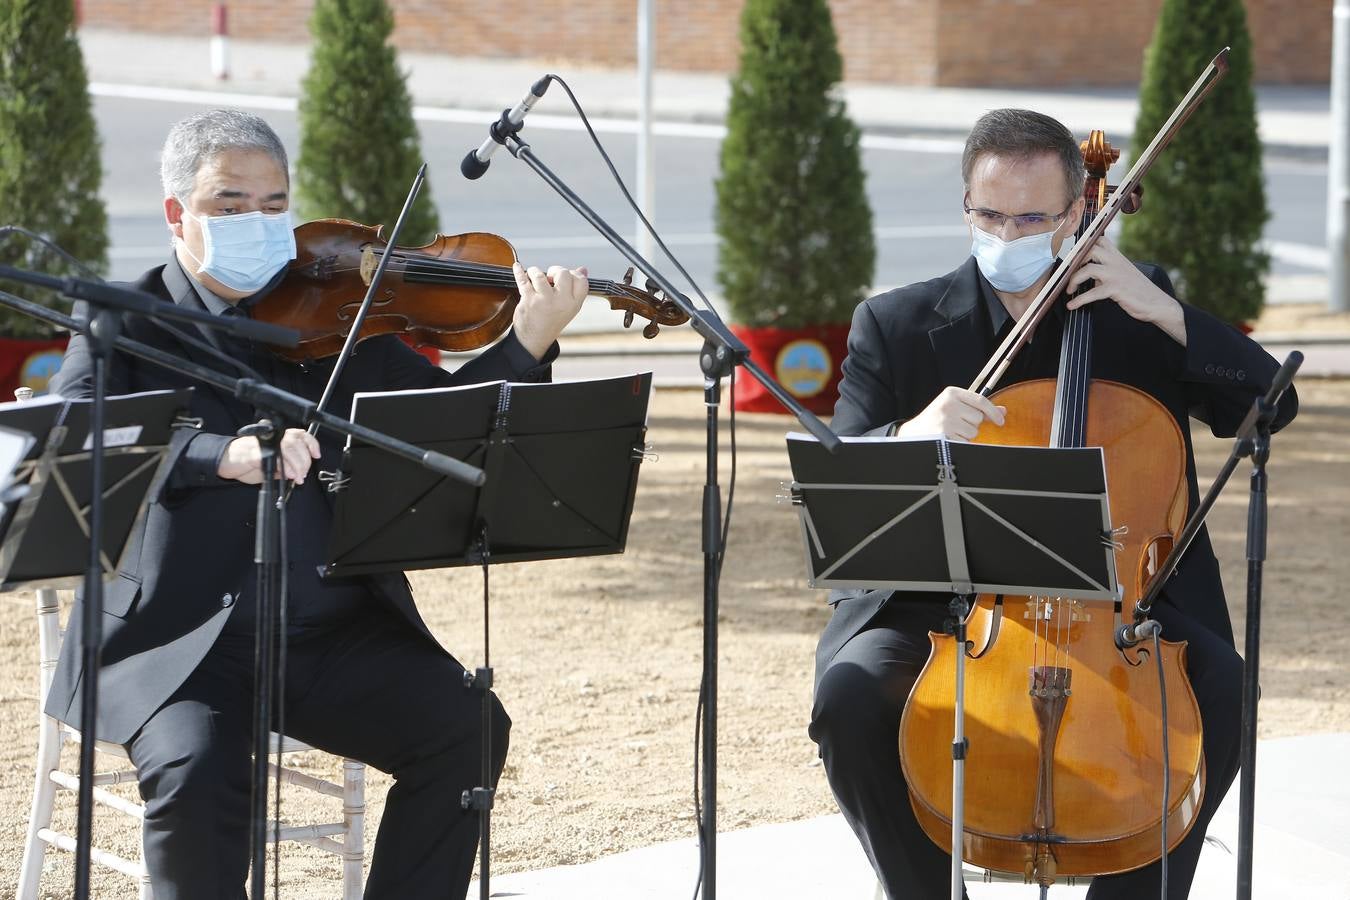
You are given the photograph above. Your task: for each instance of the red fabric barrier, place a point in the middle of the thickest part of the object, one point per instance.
(806, 361)
(26, 363)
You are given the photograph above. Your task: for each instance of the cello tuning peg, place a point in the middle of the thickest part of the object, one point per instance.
(651, 330)
(627, 318)
(628, 276)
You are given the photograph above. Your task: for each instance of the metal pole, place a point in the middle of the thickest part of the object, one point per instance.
(646, 31)
(1338, 163)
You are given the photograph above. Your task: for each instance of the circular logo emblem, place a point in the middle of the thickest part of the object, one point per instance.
(804, 367)
(39, 368)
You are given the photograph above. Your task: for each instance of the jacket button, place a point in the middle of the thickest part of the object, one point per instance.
(1241, 375)
(227, 601)
(1209, 368)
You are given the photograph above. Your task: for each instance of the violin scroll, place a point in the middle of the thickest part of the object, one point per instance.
(651, 304)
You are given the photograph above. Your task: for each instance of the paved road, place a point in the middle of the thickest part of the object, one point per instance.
(914, 193)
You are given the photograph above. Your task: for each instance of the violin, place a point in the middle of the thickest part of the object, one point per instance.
(456, 292)
(1065, 731)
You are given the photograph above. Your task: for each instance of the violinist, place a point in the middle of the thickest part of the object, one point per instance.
(909, 352)
(364, 677)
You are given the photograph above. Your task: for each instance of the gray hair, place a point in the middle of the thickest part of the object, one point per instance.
(1022, 134)
(203, 136)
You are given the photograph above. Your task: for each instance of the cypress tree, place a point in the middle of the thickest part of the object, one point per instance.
(50, 168)
(358, 144)
(1205, 204)
(795, 230)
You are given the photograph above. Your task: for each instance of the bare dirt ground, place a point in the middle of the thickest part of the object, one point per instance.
(598, 660)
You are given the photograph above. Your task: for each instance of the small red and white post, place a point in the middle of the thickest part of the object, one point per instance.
(220, 42)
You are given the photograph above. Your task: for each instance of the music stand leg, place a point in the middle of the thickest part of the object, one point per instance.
(960, 609)
(1251, 672)
(481, 798)
(104, 327)
(268, 575)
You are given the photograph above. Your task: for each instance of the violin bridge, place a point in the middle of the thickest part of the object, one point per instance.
(368, 263)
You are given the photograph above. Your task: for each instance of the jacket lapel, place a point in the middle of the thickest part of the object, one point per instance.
(959, 342)
(183, 293)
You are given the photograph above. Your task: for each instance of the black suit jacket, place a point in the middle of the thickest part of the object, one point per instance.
(906, 345)
(193, 552)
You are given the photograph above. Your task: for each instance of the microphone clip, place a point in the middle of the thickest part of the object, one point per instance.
(1136, 632)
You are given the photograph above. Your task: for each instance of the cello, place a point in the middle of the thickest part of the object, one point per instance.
(1066, 729)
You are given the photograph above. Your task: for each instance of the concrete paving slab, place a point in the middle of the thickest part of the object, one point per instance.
(1301, 849)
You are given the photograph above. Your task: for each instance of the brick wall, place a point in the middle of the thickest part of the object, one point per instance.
(922, 42)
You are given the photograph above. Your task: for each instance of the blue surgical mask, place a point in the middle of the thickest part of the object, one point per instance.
(243, 252)
(1012, 266)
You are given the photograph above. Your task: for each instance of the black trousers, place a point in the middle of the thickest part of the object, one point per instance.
(856, 723)
(372, 689)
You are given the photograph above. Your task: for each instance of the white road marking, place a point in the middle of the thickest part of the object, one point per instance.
(538, 121)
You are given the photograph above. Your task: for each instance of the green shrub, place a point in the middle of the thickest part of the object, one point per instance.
(50, 168)
(795, 230)
(358, 143)
(1204, 202)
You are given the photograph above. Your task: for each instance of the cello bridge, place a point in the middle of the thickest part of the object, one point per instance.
(1050, 609)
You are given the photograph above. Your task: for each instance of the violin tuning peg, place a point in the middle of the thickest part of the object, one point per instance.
(628, 276)
(651, 330)
(627, 318)
(652, 286)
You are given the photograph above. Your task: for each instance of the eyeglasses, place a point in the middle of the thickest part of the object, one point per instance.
(991, 220)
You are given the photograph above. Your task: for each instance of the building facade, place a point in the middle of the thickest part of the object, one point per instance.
(998, 43)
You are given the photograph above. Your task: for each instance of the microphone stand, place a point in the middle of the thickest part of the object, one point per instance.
(104, 336)
(1252, 439)
(721, 353)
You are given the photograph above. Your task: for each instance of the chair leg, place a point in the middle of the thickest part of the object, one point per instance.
(44, 796)
(353, 816)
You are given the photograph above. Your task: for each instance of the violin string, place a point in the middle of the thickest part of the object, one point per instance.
(478, 274)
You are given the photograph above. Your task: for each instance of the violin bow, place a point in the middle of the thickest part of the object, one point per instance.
(353, 335)
(998, 364)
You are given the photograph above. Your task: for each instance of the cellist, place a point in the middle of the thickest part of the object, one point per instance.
(909, 352)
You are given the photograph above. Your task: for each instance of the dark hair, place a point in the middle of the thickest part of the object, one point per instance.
(1022, 134)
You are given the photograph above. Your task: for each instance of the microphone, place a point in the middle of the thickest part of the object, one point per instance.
(476, 162)
(1128, 636)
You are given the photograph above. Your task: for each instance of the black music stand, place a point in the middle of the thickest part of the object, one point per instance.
(893, 514)
(44, 535)
(561, 462)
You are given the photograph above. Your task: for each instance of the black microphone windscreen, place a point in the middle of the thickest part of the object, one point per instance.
(471, 167)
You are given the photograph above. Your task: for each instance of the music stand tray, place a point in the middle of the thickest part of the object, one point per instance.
(561, 461)
(937, 515)
(44, 533)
